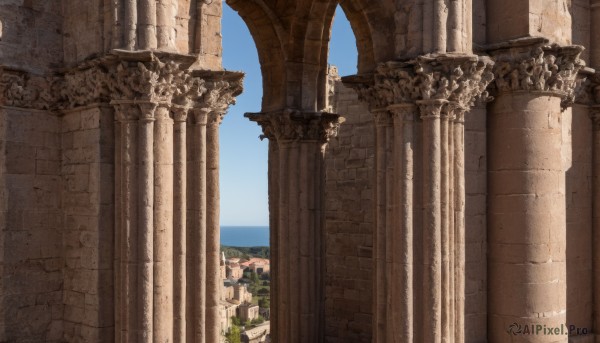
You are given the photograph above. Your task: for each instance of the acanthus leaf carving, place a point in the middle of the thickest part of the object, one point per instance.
(458, 78)
(111, 79)
(293, 125)
(539, 67)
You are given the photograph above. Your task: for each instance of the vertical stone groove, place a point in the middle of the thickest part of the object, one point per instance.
(213, 244)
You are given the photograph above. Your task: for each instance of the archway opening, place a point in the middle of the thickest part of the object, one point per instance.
(243, 192)
(343, 52)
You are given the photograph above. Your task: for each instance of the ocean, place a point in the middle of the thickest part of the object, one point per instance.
(245, 236)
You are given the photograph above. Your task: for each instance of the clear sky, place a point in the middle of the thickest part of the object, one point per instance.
(244, 199)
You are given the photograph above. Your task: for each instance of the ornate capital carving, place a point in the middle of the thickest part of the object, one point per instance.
(534, 66)
(292, 125)
(180, 113)
(121, 78)
(432, 109)
(200, 116)
(383, 117)
(403, 112)
(459, 78)
(20, 89)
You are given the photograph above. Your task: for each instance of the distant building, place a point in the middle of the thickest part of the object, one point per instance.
(248, 311)
(228, 310)
(256, 265)
(234, 271)
(241, 294)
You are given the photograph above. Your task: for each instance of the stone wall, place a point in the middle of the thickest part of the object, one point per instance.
(32, 256)
(34, 24)
(349, 218)
(88, 196)
(83, 29)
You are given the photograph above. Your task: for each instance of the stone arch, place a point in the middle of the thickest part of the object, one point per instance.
(269, 36)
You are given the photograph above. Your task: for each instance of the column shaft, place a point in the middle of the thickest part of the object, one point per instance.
(166, 14)
(401, 282)
(198, 229)
(146, 24)
(274, 234)
(284, 310)
(445, 224)
(213, 244)
(129, 18)
(180, 226)
(146, 223)
(163, 226)
(432, 225)
(458, 214)
(526, 212)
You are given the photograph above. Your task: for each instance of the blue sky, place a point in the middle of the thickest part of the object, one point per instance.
(244, 199)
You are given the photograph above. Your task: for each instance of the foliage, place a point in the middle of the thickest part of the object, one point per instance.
(264, 303)
(236, 321)
(246, 252)
(263, 291)
(234, 335)
(258, 320)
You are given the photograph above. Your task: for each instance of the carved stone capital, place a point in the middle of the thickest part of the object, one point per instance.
(382, 117)
(216, 118)
(403, 112)
(180, 113)
(21, 89)
(200, 116)
(126, 111)
(533, 65)
(292, 125)
(451, 77)
(432, 109)
(118, 77)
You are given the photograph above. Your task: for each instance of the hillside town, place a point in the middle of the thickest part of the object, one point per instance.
(245, 300)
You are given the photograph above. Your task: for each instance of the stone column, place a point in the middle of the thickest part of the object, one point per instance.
(146, 223)
(168, 278)
(213, 242)
(163, 225)
(301, 138)
(526, 201)
(432, 220)
(457, 239)
(402, 274)
(197, 230)
(180, 225)
(441, 87)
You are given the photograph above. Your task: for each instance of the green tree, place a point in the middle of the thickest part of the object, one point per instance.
(258, 320)
(234, 335)
(236, 321)
(264, 303)
(254, 278)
